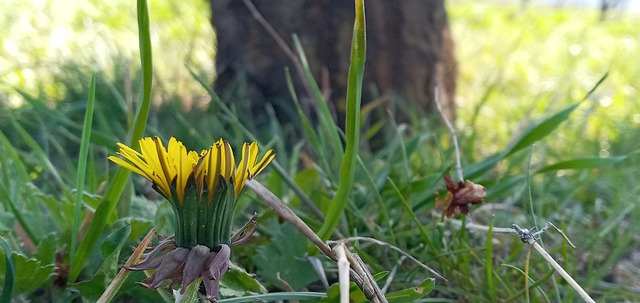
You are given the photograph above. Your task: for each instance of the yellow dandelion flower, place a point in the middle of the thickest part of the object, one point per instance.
(172, 167)
(203, 189)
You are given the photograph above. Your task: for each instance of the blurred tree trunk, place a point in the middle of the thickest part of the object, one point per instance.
(409, 48)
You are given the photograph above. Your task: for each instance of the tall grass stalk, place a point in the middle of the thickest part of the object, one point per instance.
(311, 133)
(82, 166)
(325, 118)
(110, 200)
(352, 124)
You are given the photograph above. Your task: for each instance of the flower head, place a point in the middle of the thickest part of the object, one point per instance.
(171, 168)
(202, 188)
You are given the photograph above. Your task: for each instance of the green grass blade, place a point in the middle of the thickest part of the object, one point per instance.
(9, 272)
(412, 294)
(11, 204)
(144, 38)
(585, 163)
(352, 124)
(82, 166)
(325, 117)
(542, 129)
(12, 154)
(532, 284)
(412, 214)
(534, 133)
(547, 125)
(102, 139)
(114, 192)
(14, 177)
(311, 134)
(384, 212)
(488, 255)
(477, 169)
(41, 156)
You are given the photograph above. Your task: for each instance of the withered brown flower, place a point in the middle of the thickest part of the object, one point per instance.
(180, 264)
(184, 265)
(459, 196)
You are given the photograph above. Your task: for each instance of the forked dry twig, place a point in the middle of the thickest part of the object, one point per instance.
(529, 237)
(402, 252)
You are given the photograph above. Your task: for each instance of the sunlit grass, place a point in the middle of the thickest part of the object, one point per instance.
(533, 59)
(42, 41)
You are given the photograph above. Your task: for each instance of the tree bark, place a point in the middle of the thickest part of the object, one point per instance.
(409, 48)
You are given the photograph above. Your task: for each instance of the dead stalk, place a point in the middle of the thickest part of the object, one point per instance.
(358, 270)
(454, 135)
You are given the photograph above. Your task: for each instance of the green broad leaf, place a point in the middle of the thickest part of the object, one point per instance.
(191, 294)
(585, 163)
(29, 273)
(93, 288)
(93, 201)
(141, 216)
(47, 249)
(427, 183)
(424, 190)
(310, 182)
(532, 134)
(164, 219)
(238, 283)
(139, 228)
(285, 255)
(114, 242)
(412, 294)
